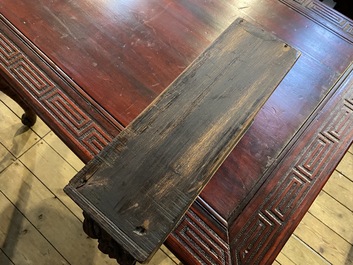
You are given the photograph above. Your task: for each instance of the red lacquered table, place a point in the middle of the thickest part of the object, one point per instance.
(88, 68)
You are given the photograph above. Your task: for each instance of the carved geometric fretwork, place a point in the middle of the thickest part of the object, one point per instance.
(258, 231)
(288, 190)
(8, 51)
(29, 75)
(307, 163)
(348, 103)
(313, 8)
(200, 240)
(57, 102)
(329, 14)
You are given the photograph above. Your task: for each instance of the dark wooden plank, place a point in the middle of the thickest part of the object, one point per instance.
(139, 187)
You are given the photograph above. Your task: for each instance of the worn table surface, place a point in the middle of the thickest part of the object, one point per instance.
(65, 57)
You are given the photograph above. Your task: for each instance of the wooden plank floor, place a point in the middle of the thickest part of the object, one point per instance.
(39, 224)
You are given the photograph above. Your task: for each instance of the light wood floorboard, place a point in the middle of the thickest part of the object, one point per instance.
(39, 224)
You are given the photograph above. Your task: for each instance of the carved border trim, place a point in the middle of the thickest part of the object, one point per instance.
(59, 104)
(332, 18)
(258, 230)
(200, 240)
(287, 191)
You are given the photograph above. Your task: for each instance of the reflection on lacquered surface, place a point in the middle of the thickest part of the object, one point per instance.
(132, 50)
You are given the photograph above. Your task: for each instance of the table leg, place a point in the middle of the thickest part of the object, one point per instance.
(106, 243)
(29, 117)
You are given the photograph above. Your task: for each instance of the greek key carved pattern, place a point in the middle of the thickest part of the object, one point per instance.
(288, 194)
(15, 63)
(201, 241)
(26, 71)
(9, 51)
(324, 11)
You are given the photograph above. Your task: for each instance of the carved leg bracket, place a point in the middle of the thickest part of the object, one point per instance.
(29, 117)
(106, 243)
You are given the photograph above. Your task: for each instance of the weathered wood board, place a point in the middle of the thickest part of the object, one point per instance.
(139, 187)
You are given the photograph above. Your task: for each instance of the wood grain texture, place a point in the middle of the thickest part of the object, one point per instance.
(323, 240)
(37, 82)
(333, 20)
(119, 55)
(298, 251)
(341, 187)
(13, 225)
(172, 149)
(53, 220)
(297, 179)
(335, 214)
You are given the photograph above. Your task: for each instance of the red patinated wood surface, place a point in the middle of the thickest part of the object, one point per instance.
(90, 67)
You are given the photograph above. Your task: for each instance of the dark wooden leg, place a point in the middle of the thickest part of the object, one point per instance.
(29, 117)
(106, 243)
